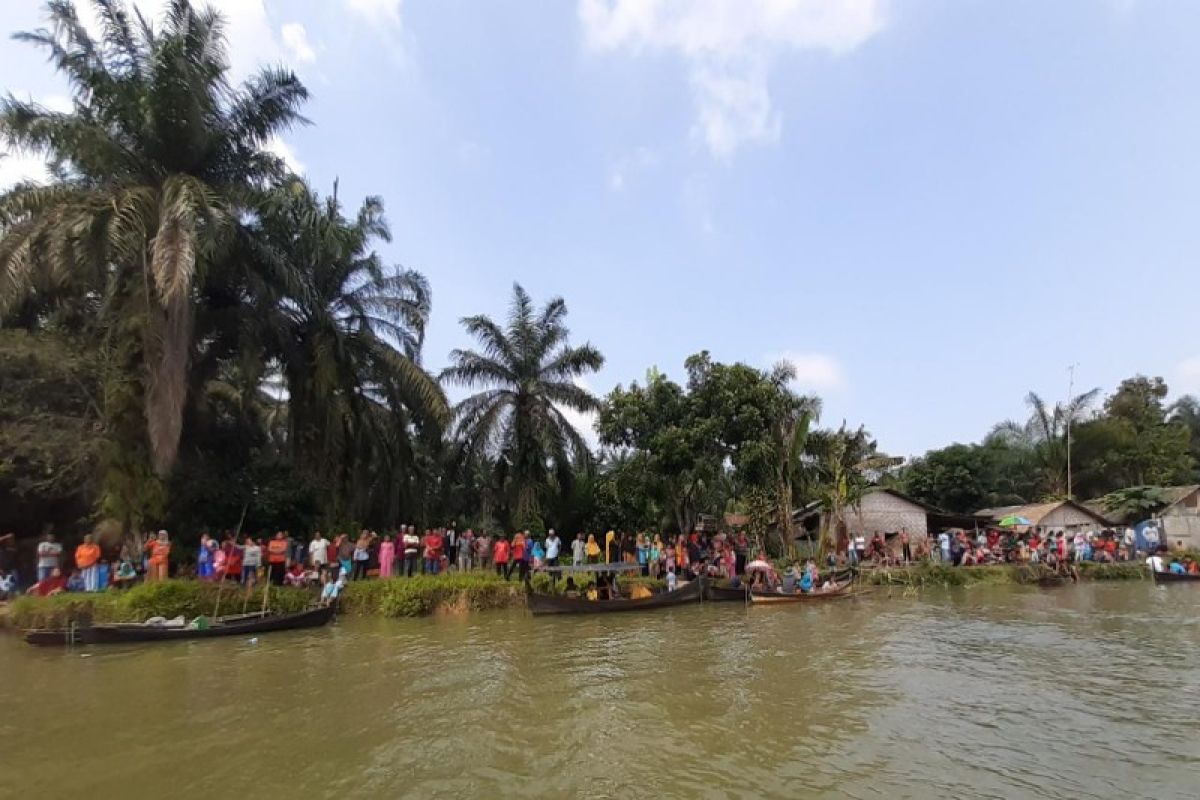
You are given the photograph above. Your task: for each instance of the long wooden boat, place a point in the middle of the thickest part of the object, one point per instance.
(726, 594)
(243, 624)
(838, 591)
(1175, 577)
(540, 603)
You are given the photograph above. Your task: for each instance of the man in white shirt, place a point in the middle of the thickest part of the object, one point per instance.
(860, 545)
(553, 545)
(944, 546)
(412, 546)
(318, 552)
(1155, 563)
(578, 550)
(49, 554)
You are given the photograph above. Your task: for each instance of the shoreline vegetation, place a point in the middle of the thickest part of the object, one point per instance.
(452, 593)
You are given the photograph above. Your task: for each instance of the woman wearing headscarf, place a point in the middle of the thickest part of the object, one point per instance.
(592, 549)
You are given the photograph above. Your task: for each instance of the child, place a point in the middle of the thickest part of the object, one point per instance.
(672, 581)
(330, 589)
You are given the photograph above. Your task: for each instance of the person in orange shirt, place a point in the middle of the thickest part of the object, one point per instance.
(277, 556)
(87, 561)
(160, 550)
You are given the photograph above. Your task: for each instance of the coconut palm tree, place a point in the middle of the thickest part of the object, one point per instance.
(349, 344)
(155, 170)
(527, 372)
(1044, 435)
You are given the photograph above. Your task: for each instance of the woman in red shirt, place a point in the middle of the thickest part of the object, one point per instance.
(500, 556)
(518, 556)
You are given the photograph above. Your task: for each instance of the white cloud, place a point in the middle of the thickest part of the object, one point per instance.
(814, 371)
(285, 151)
(728, 46)
(295, 39)
(584, 422)
(377, 11)
(1186, 379)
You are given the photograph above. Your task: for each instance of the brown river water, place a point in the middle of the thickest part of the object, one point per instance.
(1007, 692)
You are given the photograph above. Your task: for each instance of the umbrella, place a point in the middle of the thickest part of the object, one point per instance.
(759, 565)
(1012, 520)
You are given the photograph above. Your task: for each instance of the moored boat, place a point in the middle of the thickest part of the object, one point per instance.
(242, 624)
(540, 603)
(836, 592)
(715, 593)
(1175, 577)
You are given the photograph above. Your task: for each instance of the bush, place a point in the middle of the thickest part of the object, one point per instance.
(167, 599)
(935, 574)
(424, 594)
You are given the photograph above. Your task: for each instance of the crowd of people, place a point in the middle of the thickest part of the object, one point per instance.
(284, 559)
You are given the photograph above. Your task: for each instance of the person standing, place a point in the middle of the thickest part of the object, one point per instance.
(500, 553)
(361, 555)
(466, 548)
(553, 546)
(318, 553)
(387, 554)
(944, 546)
(1129, 540)
(483, 550)
(159, 549)
(905, 547)
(49, 553)
(87, 561)
(277, 557)
(205, 556)
(432, 552)
(412, 550)
(578, 550)
(251, 561)
(516, 556)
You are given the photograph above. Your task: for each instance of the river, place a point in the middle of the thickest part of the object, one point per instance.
(1006, 692)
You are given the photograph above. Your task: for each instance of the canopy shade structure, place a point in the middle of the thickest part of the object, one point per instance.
(1013, 520)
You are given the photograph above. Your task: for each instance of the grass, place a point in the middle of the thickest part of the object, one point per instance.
(425, 594)
(934, 574)
(167, 599)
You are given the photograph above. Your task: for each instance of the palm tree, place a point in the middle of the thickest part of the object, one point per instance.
(349, 344)
(790, 428)
(1044, 434)
(527, 372)
(154, 171)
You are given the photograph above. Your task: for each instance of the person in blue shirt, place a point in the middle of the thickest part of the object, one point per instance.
(1177, 568)
(806, 581)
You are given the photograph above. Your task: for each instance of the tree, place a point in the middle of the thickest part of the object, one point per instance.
(669, 439)
(1045, 436)
(349, 346)
(156, 169)
(527, 371)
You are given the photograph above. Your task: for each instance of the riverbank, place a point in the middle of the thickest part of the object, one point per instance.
(933, 574)
(422, 595)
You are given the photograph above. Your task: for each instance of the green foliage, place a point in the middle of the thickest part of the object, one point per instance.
(424, 594)
(527, 374)
(166, 599)
(934, 574)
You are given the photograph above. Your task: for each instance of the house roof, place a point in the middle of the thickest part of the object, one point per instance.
(1175, 494)
(1036, 512)
(809, 510)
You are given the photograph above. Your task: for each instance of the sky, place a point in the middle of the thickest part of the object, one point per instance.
(930, 208)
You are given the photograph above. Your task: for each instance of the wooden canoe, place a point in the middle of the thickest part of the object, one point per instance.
(1175, 577)
(839, 591)
(242, 625)
(726, 594)
(540, 603)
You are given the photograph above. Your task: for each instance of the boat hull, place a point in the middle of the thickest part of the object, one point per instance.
(838, 592)
(1173, 577)
(542, 604)
(121, 633)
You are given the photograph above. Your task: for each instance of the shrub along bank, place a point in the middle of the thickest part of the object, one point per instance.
(933, 574)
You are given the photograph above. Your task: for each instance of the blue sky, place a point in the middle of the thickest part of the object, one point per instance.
(930, 207)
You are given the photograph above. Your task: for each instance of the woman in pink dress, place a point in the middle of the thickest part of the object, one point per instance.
(387, 554)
